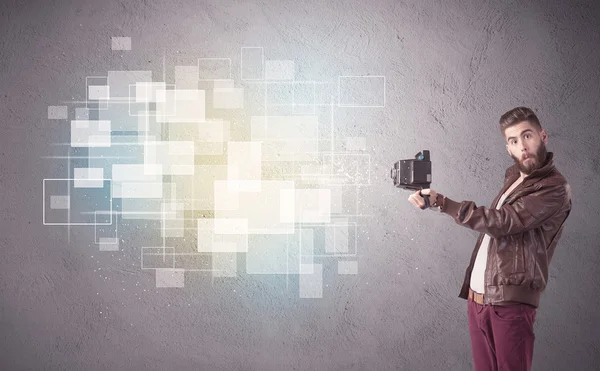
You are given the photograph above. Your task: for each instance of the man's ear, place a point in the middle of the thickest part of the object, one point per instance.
(544, 136)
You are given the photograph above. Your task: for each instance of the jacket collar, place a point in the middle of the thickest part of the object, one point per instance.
(513, 171)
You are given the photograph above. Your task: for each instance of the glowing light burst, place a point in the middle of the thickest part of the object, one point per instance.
(214, 167)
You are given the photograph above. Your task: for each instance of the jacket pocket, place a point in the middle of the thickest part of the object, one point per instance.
(518, 256)
(510, 254)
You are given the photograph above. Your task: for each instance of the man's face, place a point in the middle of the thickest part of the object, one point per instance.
(526, 146)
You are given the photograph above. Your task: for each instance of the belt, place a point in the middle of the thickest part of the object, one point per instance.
(476, 297)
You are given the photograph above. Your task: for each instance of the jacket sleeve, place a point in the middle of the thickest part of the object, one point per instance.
(525, 213)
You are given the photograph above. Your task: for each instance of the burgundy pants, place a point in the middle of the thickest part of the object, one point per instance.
(501, 336)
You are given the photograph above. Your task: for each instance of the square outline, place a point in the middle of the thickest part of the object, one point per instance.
(262, 78)
(87, 95)
(69, 222)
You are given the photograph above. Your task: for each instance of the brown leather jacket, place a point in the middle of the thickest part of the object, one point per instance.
(524, 233)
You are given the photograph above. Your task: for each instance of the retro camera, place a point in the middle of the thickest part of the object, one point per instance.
(414, 174)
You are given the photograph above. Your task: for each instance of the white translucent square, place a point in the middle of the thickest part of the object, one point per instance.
(189, 106)
(104, 125)
(261, 209)
(178, 162)
(143, 125)
(98, 92)
(88, 177)
(119, 81)
(210, 241)
(209, 137)
(136, 172)
(225, 199)
(307, 268)
(137, 190)
(287, 206)
(348, 267)
(57, 113)
(252, 63)
(243, 185)
(180, 148)
(154, 170)
(168, 277)
(120, 43)
(311, 285)
(59, 202)
(161, 97)
(108, 243)
(213, 131)
(150, 91)
(223, 84)
(231, 226)
(82, 113)
(244, 167)
(87, 133)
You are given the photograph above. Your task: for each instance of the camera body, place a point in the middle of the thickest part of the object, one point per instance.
(413, 174)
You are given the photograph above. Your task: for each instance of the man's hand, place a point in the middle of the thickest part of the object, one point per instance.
(419, 201)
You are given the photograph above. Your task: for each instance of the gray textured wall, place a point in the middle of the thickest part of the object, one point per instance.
(451, 69)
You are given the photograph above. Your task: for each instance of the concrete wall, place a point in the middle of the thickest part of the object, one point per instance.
(451, 68)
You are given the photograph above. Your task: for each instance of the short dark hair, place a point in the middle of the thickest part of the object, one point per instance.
(517, 115)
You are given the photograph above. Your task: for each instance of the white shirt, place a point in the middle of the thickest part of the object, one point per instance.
(478, 273)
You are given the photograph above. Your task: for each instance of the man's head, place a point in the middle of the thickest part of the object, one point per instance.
(525, 139)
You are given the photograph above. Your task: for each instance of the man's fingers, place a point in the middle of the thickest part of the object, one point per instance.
(414, 199)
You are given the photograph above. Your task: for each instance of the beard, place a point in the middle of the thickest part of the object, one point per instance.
(534, 161)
